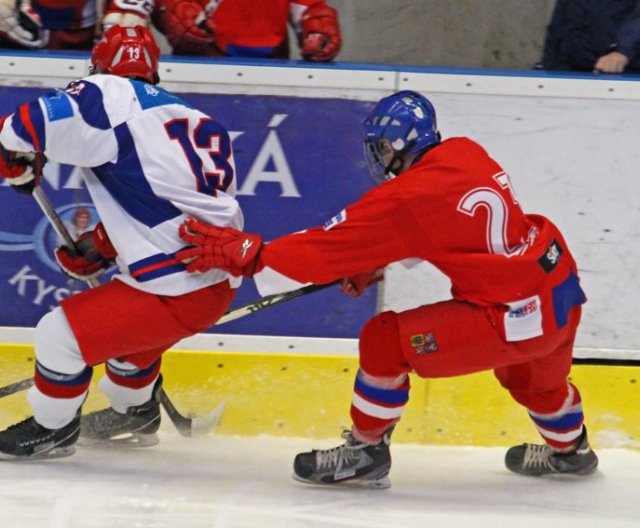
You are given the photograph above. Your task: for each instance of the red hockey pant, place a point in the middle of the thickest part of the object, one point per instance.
(116, 321)
(454, 338)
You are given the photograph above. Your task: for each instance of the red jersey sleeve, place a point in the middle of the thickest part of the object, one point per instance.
(369, 234)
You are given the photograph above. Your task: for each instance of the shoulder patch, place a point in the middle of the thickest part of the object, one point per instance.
(57, 106)
(337, 219)
(551, 257)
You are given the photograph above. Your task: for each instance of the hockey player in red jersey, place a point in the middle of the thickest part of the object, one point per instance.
(246, 28)
(146, 157)
(516, 296)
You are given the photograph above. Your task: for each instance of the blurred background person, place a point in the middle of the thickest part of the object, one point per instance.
(601, 36)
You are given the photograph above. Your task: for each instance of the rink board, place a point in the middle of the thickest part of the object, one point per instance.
(308, 395)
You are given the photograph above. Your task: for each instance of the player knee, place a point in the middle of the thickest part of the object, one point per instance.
(56, 347)
(380, 351)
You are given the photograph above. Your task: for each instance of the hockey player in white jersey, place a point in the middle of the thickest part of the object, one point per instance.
(149, 161)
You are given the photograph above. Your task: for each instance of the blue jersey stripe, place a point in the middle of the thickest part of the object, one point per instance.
(29, 120)
(126, 182)
(565, 296)
(155, 266)
(151, 96)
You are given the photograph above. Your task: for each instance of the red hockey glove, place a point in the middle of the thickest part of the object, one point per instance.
(355, 285)
(19, 168)
(126, 13)
(92, 255)
(21, 25)
(223, 248)
(321, 39)
(184, 24)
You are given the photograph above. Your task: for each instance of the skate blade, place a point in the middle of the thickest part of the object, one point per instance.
(381, 483)
(55, 452)
(125, 441)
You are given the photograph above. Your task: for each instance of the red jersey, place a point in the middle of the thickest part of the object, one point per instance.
(248, 23)
(66, 14)
(240, 26)
(454, 208)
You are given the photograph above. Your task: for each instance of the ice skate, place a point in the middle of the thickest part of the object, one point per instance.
(354, 464)
(136, 428)
(28, 440)
(537, 460)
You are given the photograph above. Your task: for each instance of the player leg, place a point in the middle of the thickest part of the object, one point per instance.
(381, 391)
(555, 407)
(129, 330)
(445, 339)
(61, 385)
(134, 416)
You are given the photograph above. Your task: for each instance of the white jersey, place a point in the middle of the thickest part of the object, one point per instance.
(149, 160)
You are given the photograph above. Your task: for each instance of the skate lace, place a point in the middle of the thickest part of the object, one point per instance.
(538, 456)
(341, 456)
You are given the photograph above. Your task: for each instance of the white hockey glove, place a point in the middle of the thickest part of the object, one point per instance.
(126, 13)
(20, 24)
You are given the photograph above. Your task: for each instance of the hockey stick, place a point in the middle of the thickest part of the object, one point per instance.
(18, 386)
(270, 300)
(201, 424)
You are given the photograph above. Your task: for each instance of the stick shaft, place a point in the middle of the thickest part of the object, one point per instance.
(57, 223)
(267, 302)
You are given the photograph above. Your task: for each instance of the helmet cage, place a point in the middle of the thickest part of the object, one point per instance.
(401, 125)
(382, 159)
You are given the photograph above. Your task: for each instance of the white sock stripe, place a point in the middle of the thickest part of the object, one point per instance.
(577, 408)
(377, 411)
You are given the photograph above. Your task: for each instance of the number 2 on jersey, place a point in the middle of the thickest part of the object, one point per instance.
(497, 217)
(210, 136)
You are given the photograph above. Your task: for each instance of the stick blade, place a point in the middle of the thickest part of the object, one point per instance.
(202, 425)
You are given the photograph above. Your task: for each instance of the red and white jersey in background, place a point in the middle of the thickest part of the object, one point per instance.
(66, 14)
(454, 208)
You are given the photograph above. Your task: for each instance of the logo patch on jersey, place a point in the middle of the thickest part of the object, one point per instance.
(58, 106)
(525, 310)
(151, 90)
(424, 343)
(551, 257)
(338, 219)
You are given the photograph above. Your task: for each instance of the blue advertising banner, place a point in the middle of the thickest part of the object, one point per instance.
(299, 163)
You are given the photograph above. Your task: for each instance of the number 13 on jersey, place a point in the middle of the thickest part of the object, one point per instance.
(214, 173)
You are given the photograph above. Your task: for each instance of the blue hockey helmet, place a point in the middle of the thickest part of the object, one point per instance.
(400, 125)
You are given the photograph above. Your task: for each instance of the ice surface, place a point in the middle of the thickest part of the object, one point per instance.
(240, 482)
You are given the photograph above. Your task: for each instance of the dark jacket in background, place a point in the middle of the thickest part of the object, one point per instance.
(581, 31)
